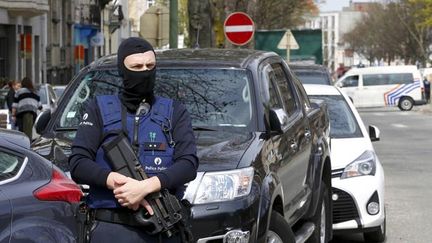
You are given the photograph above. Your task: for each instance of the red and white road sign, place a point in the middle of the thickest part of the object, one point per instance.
(239, 28)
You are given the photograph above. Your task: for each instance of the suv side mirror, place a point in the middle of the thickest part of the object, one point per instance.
(278, 120)
(339, 85)
(42, 121)
(374, 133)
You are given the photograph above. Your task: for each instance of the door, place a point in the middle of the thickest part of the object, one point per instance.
(5, 218)
(350, 85)
(375, 86)
(291, 149)
(10, 165)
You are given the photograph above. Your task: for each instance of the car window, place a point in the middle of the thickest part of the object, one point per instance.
(285, 88)
(387, 78)
(3, 94)
(52, 94)
(213, 97)
(270, 88)
(343, 123)
(312, 77)
(59, 91)
(43, 95)
(90, 85)
(350, 81)
(10, 164)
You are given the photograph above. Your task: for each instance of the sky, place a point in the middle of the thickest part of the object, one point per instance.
(335, 5)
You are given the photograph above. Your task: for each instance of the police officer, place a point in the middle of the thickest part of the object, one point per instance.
(113, 197)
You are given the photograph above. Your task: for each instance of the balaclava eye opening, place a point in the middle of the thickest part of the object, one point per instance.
(137, 85)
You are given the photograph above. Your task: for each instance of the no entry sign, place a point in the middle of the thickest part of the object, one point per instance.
(239, 28)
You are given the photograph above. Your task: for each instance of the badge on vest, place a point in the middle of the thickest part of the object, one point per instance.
(149, 146)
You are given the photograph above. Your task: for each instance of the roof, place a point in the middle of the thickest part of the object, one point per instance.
(203, 57)
(383, 69)
(12, 137)
(316, 89)
(307, 67)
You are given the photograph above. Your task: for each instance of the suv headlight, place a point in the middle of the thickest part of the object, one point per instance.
(224, 185)
(365, 164)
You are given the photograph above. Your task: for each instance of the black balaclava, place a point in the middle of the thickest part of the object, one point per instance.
(138, 85)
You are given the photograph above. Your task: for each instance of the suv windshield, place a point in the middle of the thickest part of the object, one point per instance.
(213, 97)
(343, 124)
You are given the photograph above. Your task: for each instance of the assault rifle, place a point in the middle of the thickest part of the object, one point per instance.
(169, 215)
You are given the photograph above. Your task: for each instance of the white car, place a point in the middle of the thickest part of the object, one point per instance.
(47, 96)
(357, 174)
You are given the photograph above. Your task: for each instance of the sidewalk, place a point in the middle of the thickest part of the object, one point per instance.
(426, 108)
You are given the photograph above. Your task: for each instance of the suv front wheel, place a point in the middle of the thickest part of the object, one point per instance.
(321, 219)
(279, 230)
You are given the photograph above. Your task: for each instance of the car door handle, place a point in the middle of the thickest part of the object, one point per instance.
(294, 146)
(308, 134)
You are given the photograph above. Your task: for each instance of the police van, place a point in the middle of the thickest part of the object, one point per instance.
(380, 86)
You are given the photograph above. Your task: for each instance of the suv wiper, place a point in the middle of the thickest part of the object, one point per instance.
(204, 129)
(66, 129)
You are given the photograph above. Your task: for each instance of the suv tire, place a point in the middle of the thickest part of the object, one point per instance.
(279, 230)
(322, 217)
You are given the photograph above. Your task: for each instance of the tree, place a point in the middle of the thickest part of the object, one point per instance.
(206, 17)
(391, 31)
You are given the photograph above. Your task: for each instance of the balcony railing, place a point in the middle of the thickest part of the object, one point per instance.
(25, 7)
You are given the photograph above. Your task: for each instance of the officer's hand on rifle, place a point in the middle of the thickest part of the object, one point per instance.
(115, 180)
(132, 193)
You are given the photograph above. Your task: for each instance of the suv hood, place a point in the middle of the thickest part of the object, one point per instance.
(216, 150)
(221, 150)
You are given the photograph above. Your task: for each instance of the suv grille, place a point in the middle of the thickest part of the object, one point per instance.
(344, 208)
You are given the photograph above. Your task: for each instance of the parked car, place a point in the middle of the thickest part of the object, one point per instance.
(274, 146)
(47, 96)
(357, 174)
(37, 200)
(4, 112)
(58, 90)
(382, 86)
(312, 73)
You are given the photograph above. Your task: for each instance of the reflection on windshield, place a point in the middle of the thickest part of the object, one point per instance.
(213, 97)
(342, 121)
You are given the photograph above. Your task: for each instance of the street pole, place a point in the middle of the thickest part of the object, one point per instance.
(173, 24)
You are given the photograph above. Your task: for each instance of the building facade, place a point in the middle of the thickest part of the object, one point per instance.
(23, 36)
(334, 25)
(73, 38)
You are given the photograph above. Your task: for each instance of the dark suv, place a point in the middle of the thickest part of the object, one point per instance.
(312, 73)
(264, 173)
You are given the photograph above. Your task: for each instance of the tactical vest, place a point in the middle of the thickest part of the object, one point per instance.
(155, 147)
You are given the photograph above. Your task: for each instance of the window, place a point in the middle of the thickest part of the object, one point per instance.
(387, 78)
(285, 88)
(150, 3)
(10, 164)
(401, 78)
(213, 97)
(375, 79)
(351, 81)
(273, 96)
(343, 123)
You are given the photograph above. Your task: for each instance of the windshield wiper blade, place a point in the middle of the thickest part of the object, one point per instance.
(204, 129)
(66, 129)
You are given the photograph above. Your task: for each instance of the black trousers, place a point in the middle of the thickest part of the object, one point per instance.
(110, 232)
